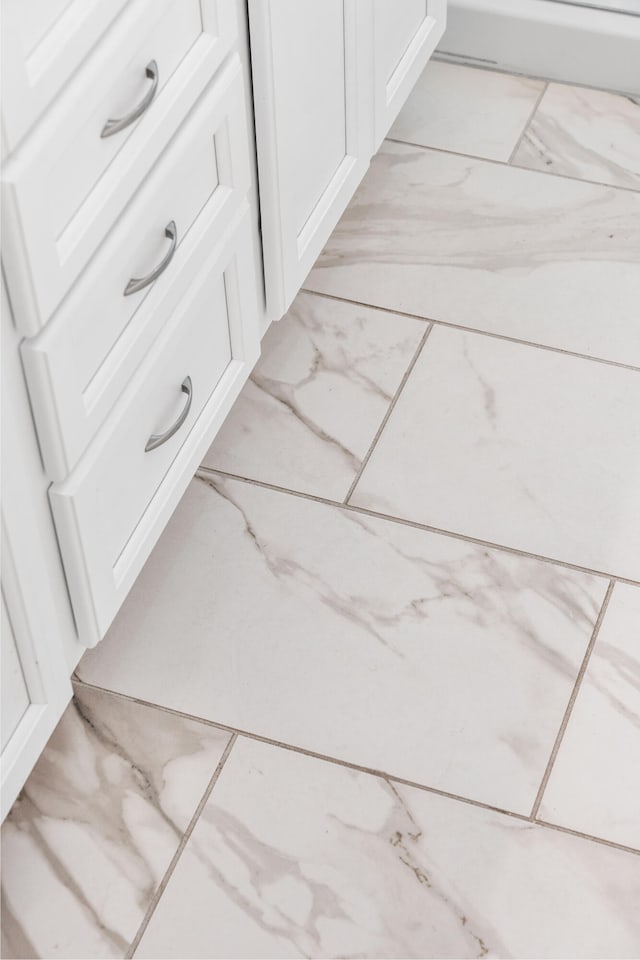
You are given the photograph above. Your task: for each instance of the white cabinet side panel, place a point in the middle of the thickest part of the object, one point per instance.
(15, 696)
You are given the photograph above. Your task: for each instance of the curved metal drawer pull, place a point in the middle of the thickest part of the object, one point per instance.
(139, 283)
(115, 126)
(157, 439)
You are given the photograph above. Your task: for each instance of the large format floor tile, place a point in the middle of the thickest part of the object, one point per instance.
(524, 447)
(322, 386)
(466, 110)
(102, 814)
(589, 134)
(595, 783)
(294, 857)
(491, 247)
(427, 657)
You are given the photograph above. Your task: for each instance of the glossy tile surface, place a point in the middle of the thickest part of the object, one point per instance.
(519, 446)
(100, 818)
(325, 358)
(588, 134)
(495, 248)
(430, 658)
(296, 857)
(460, 108)
(595, 783)
(421, 655)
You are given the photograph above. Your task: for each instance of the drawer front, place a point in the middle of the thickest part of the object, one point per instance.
(84, 154)
(43, 43)
(110, 511)
(67, 184)
(79, 364)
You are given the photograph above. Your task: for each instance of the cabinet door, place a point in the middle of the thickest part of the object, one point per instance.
(405, 35)
(312, 93)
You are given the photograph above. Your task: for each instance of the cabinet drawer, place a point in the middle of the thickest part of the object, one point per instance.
(110, 511)
(67, 184)
(78, 365)
(43, 43)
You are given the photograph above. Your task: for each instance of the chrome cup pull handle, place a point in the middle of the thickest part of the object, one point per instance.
(139, 283)
(116, 125)
(157, 439)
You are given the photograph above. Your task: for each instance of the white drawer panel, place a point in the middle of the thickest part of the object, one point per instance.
(70, 175)
(110, 511)
(43, 43)
(66, 186)
(78, 365)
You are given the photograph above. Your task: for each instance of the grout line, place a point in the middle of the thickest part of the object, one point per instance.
(545, 87)
(586, 836)
(372, 771)
(476, 330)
(208, 473)
(390, 409)
(185, 839)
(572, 700)
(506, 163)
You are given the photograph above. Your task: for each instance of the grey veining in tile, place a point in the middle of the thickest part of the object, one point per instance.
(589, 134)
(491, 247)
(595, 782)
(519, 446)
(430, 658)
(460, 108)
(294, 857)
(322, 386)
(96, 826)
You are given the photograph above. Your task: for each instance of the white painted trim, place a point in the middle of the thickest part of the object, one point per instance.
(541, 38)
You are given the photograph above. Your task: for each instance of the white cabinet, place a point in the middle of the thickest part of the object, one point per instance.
(311, 88)
(405, 34)
(65, 186)
(112, 508)
(43, 43)
(329, 78)
(76, 369)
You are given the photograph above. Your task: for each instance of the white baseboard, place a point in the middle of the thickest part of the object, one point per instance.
(558, 41)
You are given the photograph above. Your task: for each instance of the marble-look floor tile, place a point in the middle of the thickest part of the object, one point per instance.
(595, 782)
(293, 857)
(319, 392)
(492, 247)
(589, 134)
(92, 833)
(459, 108)
(427, 657)
(523, 447)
